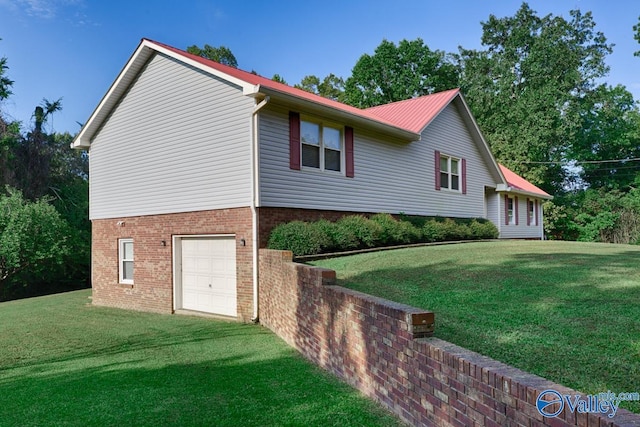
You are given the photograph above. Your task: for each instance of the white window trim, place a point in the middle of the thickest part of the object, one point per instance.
(511, 213)
(322, 124)
(531, 209)
(450, 174)
(121, 261)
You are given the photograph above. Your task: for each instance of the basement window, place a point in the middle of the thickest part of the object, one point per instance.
(125, 261)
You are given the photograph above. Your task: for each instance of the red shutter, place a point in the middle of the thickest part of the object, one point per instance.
(464, 175)
(515, 208)
(528, 215)
(294, 140)
(348, 150)
(537, 214)
(506, 209)
(437, 158)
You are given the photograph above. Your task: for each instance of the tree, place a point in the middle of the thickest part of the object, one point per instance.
(331, 86)
(33, 154)
(278, 78)
(5, 82)
(636, 35)
(395, 73)
(32, 236)
(608, 138)
(220, 54)
(9, 131)
(526, 88)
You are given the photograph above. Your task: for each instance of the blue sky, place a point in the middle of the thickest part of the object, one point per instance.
(74, 49)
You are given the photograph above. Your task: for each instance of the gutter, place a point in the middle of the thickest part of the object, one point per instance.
(501, 188)
(254, 202)
(355, 117)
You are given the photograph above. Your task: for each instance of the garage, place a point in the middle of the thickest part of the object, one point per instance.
(206, 274)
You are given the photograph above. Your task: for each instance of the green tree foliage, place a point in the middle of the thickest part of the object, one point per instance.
(33, 236)
(636, 35)
(526, 87)
(607, 138)
(331, 86)
(48, 176)
(278, 78)
(34, 153)
(595, 215)
(5, 82)
(220, 54)
(395, 73)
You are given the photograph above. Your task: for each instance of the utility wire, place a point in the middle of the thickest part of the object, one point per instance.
(575, 163)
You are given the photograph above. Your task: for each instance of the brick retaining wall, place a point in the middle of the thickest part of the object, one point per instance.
(378, 347)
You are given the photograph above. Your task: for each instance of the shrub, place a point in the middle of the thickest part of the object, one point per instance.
(450, 230)
(367, 232)
(432, 231)
(483, 230)
(358, 232)
(396, 232)
(301, 238)
(341, 238)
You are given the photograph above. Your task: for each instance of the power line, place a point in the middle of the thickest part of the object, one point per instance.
(576, 163)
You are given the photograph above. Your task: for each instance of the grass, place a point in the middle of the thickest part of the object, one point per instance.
(66, 363)
(567, 311)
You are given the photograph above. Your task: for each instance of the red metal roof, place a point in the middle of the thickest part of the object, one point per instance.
(255, 79)
(519, 183)
(415, 114)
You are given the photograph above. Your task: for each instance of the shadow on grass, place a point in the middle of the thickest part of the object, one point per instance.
(230, 392)
(107, 345)
(573, 318)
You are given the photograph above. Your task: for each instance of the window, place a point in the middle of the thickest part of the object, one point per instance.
(321, 146)
(531, 212)
(125, 260)
(449, 173)
(510, 210)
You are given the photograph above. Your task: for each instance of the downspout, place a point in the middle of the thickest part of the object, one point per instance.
(254, 201)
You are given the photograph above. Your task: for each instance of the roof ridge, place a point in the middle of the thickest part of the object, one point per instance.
(457, 89)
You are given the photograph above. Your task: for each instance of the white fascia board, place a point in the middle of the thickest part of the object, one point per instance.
(138, 59)
(313, 107)
(118, 87)
(501, 188)
(246, 87)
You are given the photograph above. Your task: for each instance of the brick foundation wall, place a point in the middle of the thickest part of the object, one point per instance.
(372, 344)
(153, 263)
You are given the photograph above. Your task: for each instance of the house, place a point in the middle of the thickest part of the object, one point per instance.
(192, 163)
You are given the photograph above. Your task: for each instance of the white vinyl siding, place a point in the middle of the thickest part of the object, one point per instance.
(522, 230)
(178, 141)
(390, 176)
(493, 212)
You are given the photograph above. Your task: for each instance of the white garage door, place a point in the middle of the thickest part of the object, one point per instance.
(209, 275)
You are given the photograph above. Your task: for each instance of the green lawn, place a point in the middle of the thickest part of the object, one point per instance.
(567, 311)
(64, 362)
